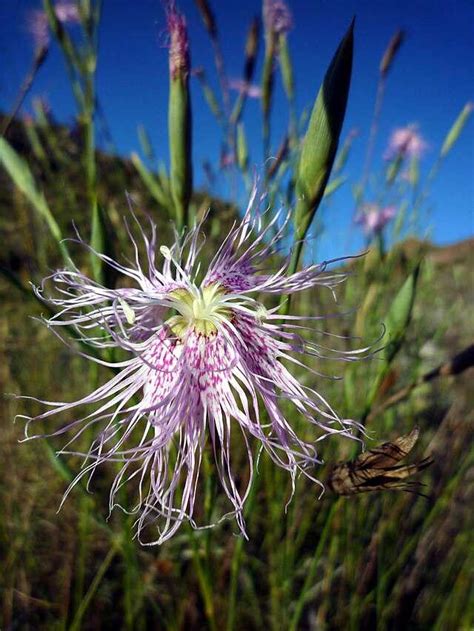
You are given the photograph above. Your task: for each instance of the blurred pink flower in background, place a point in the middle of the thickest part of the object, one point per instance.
(250, 89)
(38, 26)
(406, 142)
(227, 159)
(373, 218)
(277, 16)
(67, 12)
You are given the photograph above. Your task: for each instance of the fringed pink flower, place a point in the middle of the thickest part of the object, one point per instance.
(207, 363)
(244, 87)
(277, 16)
(373, 218)
(66, 12)
(406, 142)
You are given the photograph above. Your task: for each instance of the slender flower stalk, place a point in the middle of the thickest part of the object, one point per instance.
(66, 12)
(207, 361)
(210, 23)
(244, 86)
(385, 64)
(277, 20)
(179, 115)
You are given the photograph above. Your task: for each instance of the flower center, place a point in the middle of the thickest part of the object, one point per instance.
(200, 309)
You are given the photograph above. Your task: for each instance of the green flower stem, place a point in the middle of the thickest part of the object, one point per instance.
(267, 92)
(204, 584)
(289, 85)
(83, 532)
(297, 251)
(38, 60)
(20, 173)
(179, 125)
(76, 623)
(410, 546)
(237, 558)
(71, 57)
(300, 603)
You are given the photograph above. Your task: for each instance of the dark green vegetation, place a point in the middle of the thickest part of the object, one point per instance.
(380, 561)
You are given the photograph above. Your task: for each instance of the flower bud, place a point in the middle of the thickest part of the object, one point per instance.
(207, 17)
(251, 49)
(322, 136)
(456, 129)
(179, 44)
(390, 52)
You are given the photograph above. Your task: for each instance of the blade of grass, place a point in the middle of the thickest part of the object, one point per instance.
(300, 603)
(104, 566)
(19, 171)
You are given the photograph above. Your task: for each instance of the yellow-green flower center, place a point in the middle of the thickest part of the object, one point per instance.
(199, 309)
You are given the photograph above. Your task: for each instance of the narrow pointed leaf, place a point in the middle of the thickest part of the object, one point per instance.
(153, 185)
(396, 323)
(286, 66)
(399, 315)
(456, 129)
(19, 171)
(242, 150)
(145, 143)
(334, 185)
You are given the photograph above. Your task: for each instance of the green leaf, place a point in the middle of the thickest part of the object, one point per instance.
(145, 143)
(179, 129)
(414, 171)
(150, 181)
(396, 323)
(343, 154)
(399, 315)
(102, 241)
(242, 150)
(334, 185)
(456, 129)
(97, 243)
(393, 169)
(19, 171)
(286, 66)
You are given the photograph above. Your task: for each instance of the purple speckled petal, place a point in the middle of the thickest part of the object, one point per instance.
(206, 365)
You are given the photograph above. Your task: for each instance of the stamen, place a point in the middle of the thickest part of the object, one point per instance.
(128, 311)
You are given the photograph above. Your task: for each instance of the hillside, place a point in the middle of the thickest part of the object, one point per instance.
(378, 561)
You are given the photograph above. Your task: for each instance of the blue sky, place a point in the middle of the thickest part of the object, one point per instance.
(432, 79)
